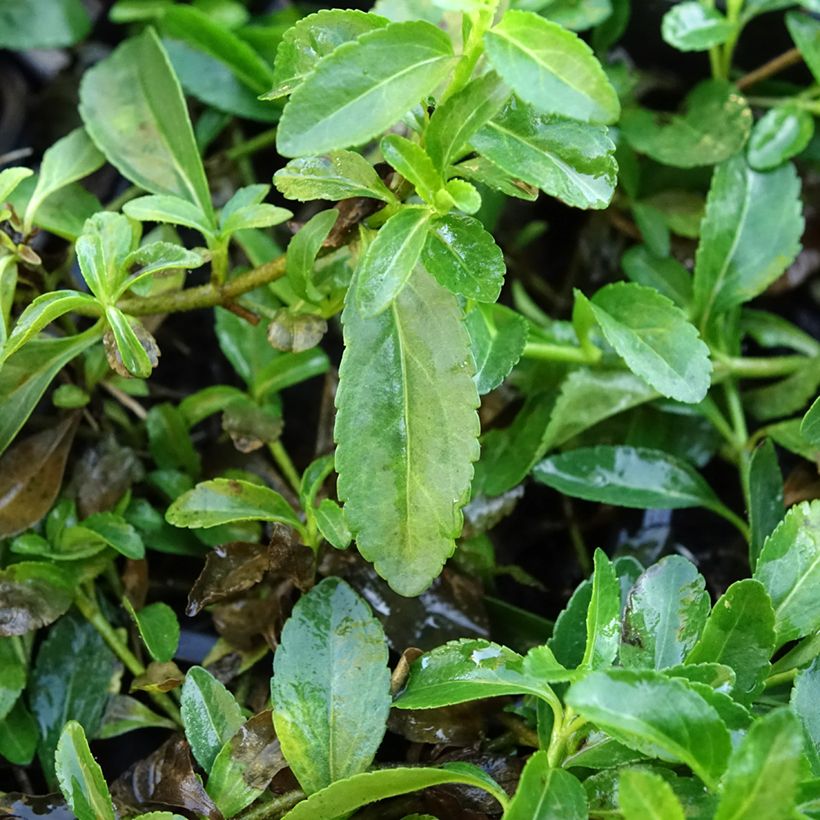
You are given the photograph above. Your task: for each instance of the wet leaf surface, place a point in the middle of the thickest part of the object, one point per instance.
(33, 594)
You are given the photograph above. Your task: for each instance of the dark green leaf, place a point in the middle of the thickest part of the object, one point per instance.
(658, 716)
(643, 795)
(210, 714)
(570, 160)
(789, 569)
(169, 440)
(18, 735)
(464, 258)
(664, 274)
(665, 614)
(80, 777)
(497, 337)
(546, 793)
(714, 126)
(364, 87)
(550, 67)
(331, 686)
(780, 134)
(766, 507)
(740, 634)
(422, 446)
(750, 234)
(13, 663)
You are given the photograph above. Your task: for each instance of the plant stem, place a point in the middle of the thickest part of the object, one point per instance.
(91, 612)
(760, 368)
(774, 66)
(283, 461)
(733, 9)
(251, 146)
(273, 808)
(545, 352)
(781, 677)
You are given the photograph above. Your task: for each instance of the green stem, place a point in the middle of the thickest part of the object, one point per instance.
(271, 809)
(283, 461)
(733, 9)
(760, 368)
(251, 146)
(546, 352)
(782, 677)
(473, 50)
(91, 612)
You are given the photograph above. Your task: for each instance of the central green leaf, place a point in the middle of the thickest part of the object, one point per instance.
(406, 389)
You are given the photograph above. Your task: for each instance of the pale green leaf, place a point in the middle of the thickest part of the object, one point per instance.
(780, 134)
(691, 26)
(644, 795)
(80, 777)
(546, 793)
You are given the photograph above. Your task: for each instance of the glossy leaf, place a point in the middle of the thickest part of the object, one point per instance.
(389, 260)
(363, 88)
(312, 38)
(551, 68)
(691, 26)
(764, 770)
(747, 240)
(464, 258)
(411, 161)
(497, 337)
(224, 501)
(603, 615)
(789, 569)
(546, 793)
(569, 160)
(740, 634)
(158, 628)
(117, 533)
(331, 686)
(780, 134)
(634, 707)
(134, 111)
(766, 505)
(472, 669)
(345, 796)
(714, 125)
(456, 120)
(664, 616)
(210, 714)
(416, 403)
(655, 339)
(334, 175)
(643, 795)
(302, 252)
(80, 777)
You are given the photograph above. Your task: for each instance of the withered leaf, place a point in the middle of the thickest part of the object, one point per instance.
(294, 333)
(165, 779)
(459, 725)
(158, 677)
(241, 622)
(250, 425)
(290, 559)
(102, 475)
(33, 594)
(31, 473)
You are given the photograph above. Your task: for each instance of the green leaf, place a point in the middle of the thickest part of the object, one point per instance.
(225, 501)
(577, 15)
(364, 87)
(415, 402)
(550, 67)
(330, 519)
(135, 358)
(169, 209)
(770, 330)
(569, 160)
(644, 795)
(545, 793)
(764, 770)
(169, 440)
(34, 595)
(69, 159)
(42, 312)
(805, 32)
(331, 686)
(210, 715)
(714, 126)
(245, 765)
(302, 252)
(789, 569)
(750, 234)
(26, 24)
(481, 170)
(810, 426)
(125, 714)
(134, 111)
(80, 776)
(665, 274)
(780, 134)
(766, 505)
(464, 258)
(655, 339)
(205, 34)
(413, 163)
(262, 215)
(803, 702)
(156, 257)
(344, 796)
(664, 616)
(25, 376)
(497, 337)
(389, 260)
(656, 715)
(102, 249)
(312, 38)
(740, 634)
(18, 735)
(117, 533)
(13, 663)
(455, 121)
(473, 669)
(69, 682)
(628, 477)
(158, 628)
(691, 26)
(603, 615)
(333, 176)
